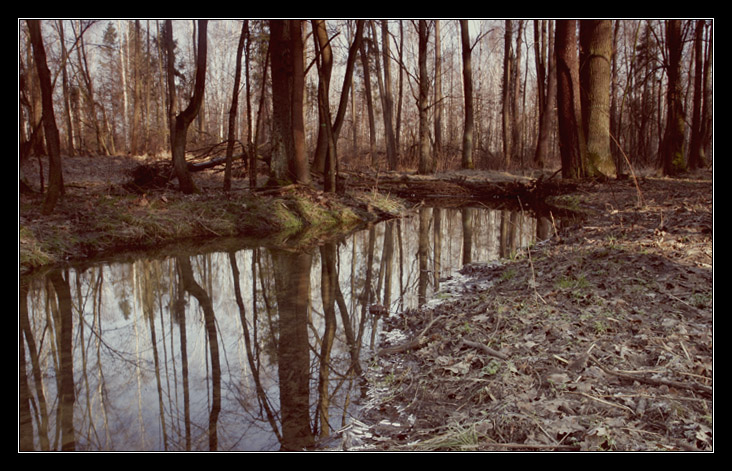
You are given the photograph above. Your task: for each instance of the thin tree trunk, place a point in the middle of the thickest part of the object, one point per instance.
(467, 154)
(438, 95)
(53, 145)
(66, 92)
(324, 54)
(426, 164)
(696, 150)
(547, 91)
(387, 101)
(507, 105)
(234, 106)
(369, 103)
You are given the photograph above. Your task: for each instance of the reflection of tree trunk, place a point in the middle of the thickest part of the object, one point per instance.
(189, 283)
(423, 253)
(179, 315)
(351, 340)
(66, 361)
(436, 263)
(504, 242)
(292, 280)
(328, 292)
(366, 296)
(467, 217)
(26, 425)
(154, 343)
(261, 394)
(388, 255)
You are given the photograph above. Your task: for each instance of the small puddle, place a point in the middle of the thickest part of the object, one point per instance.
(253, 349)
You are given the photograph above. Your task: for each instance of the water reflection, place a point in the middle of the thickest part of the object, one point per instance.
(253, 349)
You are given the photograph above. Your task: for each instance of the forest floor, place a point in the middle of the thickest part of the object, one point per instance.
(599, 339)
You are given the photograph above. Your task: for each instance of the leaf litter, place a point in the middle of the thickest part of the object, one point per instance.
(599, 339)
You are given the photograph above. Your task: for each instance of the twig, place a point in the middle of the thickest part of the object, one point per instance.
(635, 180)
(531, 262)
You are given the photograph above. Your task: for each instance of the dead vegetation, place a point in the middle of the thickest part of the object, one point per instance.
(601, 339)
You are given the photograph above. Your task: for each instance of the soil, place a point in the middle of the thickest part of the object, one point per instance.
(600, 338)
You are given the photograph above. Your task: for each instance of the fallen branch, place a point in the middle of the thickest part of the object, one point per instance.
(486, 349)
(417, 342)
(700, 388)
(536, 446)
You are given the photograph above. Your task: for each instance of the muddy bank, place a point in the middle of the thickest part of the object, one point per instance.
(599, 339)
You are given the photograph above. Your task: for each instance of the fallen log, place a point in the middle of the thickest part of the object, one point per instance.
(198, 166)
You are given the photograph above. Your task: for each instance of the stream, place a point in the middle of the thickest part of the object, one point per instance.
(253, 349)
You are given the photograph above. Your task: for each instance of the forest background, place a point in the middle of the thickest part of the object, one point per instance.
(295, 99)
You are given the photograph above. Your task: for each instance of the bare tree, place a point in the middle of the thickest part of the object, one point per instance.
(234, 105)
(672, 149)
(467, 156)
(426, 164)
(180, 122)
(438, 94)
(387, 100)
(697, 156)
(546, 85)
(53, 142)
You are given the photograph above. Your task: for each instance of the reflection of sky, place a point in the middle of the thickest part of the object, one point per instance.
(118, 394)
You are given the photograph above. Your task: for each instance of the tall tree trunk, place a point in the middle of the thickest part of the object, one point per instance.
(571, 137)
(387, 101)
(596, 52)
(467, 155)
(326, 159)
(516, 120)
(234, 106)
(437, 151)
(507, 104)
(325, 68)
(426, 165)
(369, 103)
(673, 141)
(696, 149)
(181, 121)
(547, 88)
(289, 162)
(53, 143)
(66, 91)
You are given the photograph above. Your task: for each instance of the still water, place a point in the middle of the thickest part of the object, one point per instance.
(252, 349)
